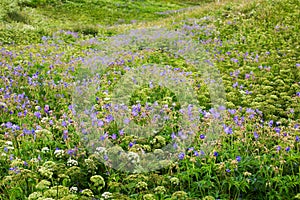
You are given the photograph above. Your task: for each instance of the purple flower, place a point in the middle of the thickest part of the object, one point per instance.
(126, 121)
(255, 135)
(102, 137)
(228, 130)
(46, 108)
(202, 136)
(270, 123)
(37, 114)
(232, 111)
(181, 155)
(191, 149)
(216, 154)
(235, 85)
(70, 152)
(65, 134)
(228, 170)
(64, 123)
(236, 119)
(105, 157)
(287, 149)
(196, 153)
(297, 138)
(114, 136)
(277, 129)
(278, 148)
(100, 123)
(238, 158)
(121, 132)
(131, 144)
(175, 145)
(173, 136)
(109, 118)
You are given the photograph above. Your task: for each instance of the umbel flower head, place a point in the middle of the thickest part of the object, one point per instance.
(98, 181)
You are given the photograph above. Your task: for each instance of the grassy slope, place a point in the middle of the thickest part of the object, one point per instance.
(31, 23)
(243, 27)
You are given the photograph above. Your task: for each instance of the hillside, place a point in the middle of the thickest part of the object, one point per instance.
(156, 99)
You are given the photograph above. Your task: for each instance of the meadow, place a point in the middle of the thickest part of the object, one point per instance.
(155, 99)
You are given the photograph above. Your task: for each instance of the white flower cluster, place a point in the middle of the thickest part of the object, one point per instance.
(101, 150)
(133, 157)
(107, 195)
(72, 162)
(3, 104)
(9, 145)
(73, 189)
(59, 153)
(174, 181)
(45, 149)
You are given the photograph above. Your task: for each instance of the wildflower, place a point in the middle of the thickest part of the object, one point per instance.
(228, 170)
(181, 155)
(72, 162)
(270, 123)
(277, 129)
(278, 148)
(216, 154)
(98, 181)
(100, 123)
(228, 130)
(121, 132)
(87, 192)
(133, 157)
(131, 144)
(73, 189)
(160, 190)
(141, 185)
(114, 136)
(174, 181)
(58, 153)
(65, 134)
(297, 138)
(255, 135)
(107, 195)
(45, 149)
(235, 85)
(35, 195)
(179, 195)
(43, 184)
(238, 158)
(37, 114)
(202, 136)
(101, 150)
(287, 149)
(148, 197)
(247, 174)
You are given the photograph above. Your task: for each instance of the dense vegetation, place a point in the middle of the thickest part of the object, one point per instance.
(66, 67)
